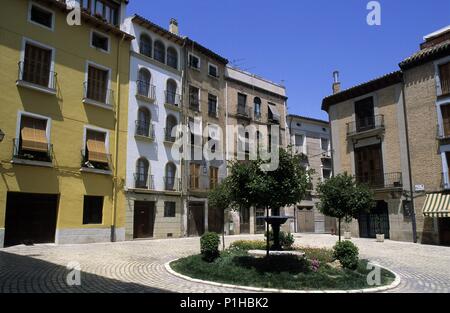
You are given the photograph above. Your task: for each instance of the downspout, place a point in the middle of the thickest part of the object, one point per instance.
(116, 146)
(413, 211)
(227, 155)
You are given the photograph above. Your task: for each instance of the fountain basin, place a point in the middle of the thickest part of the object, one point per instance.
(263, 253)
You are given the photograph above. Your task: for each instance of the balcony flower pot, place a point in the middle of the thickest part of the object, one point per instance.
(380, 237)
(347, 235)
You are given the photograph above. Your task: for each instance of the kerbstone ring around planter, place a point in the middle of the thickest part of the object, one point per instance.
(393, 285)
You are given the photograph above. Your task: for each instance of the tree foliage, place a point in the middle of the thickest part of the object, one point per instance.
(342, 197)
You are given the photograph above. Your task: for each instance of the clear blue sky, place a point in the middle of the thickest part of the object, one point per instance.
(303, 42)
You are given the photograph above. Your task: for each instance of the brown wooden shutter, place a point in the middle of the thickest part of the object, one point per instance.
(36, 68)
(213, 177)
(445, 109)
(95, 143)
(33, 133)
(444, 75)
(97, 84)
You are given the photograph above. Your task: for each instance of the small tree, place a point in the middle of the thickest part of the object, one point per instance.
(343, 198)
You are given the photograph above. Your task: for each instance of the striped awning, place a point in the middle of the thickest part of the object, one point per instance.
(437, 205)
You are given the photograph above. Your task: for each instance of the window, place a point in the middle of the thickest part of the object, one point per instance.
(213, 177)
(445, 110)
(365, 114)
(171, 93)
(36, 65)
(145, 45)
(213, 70)
(170, 176)
(326, 173)
(92, 210)
(105, 10)
(144, 88)
(143, 125)
(159, 52)
(32, 143)
(194, 101)
(172, 57)
(100, 41)
(273, 115)
(257, 107)
(194, 175)
(169, 209)
(212, 105)
(141, 177)
(242, 101)
(97, 84)
(194, 61)
(444, 77)
(324, 144)
(171, 123)
(95, 155)
(41, 16)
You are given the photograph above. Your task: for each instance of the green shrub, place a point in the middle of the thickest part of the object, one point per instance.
(209, 246)
(347, 254)
(248, 245)
(286, 239)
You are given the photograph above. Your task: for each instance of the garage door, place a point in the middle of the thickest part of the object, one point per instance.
(30, 218)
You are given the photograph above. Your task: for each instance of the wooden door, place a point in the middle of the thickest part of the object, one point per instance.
(215, 220)
(196, 219)
(37, 65)
(97, 84)
(445, 109)
(245, 221)
(194, 176)
(144, 219)
(369, 165)
(305, 220)
(444, 77)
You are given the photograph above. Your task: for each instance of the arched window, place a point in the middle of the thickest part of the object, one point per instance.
(145, 45)
(170, 176)
(171, 123)
(141, 177)
(143, 82)
(257, 107)
(171, 92)
(159, 52)
(143, 125)
(172, 57)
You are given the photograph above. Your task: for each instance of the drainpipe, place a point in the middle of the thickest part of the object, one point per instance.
(413, 211)
(116, 147)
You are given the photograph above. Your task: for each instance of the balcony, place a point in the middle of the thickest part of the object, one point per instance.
(366, 127)
(145, 91)
(382, 181)
(194, 104)
(28, 157)
(144, 130)
(34, 76)
(172, 183)
(95, 167)
(243, 112)
(144, 181)
(172, 99)
(98, 96)
(257, 116)
(168, 137)
(213, 113)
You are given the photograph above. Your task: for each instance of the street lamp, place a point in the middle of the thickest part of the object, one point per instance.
(2, 135)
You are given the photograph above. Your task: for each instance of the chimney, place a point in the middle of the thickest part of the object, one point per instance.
(436, 38)
(173, 26)
(336, 83)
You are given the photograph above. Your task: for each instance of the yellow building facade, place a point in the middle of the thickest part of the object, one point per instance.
(63, 111)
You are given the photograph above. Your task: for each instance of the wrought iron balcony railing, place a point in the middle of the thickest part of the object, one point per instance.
(381, 180)
(172, 183)
(144, 181)
(243, 111)
(146, 90)
(28, 155)
(168, 137)
(37, 73)
(144, 129)
(173, 98)
(98, 92)
(365, 124)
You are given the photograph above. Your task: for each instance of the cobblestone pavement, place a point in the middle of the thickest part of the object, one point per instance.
(138, 266)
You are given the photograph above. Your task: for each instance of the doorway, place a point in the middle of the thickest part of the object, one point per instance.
(144, 219)
(260, 223)
(196, 219)
(30, 218)
(305, 220)
(375, 222)
(444, 231)
(215, 220)
(245, 221)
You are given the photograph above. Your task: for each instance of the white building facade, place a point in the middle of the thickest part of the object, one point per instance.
(153, 180)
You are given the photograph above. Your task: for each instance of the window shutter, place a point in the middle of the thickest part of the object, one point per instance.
(444, 76)
(33, 132)
(95, 143)
(445, 109)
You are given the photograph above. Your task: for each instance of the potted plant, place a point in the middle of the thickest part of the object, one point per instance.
(379, 234)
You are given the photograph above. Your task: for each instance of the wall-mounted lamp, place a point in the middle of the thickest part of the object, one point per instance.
(2, 135)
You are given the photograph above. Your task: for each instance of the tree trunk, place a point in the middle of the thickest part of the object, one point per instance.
(223, 235)
(339, 223)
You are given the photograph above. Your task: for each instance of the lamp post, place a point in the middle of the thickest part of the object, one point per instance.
(2, 135)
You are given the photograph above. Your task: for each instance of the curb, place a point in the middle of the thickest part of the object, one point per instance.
(393, 285)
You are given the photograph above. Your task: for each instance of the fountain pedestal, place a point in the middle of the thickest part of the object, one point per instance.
(276, 222)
